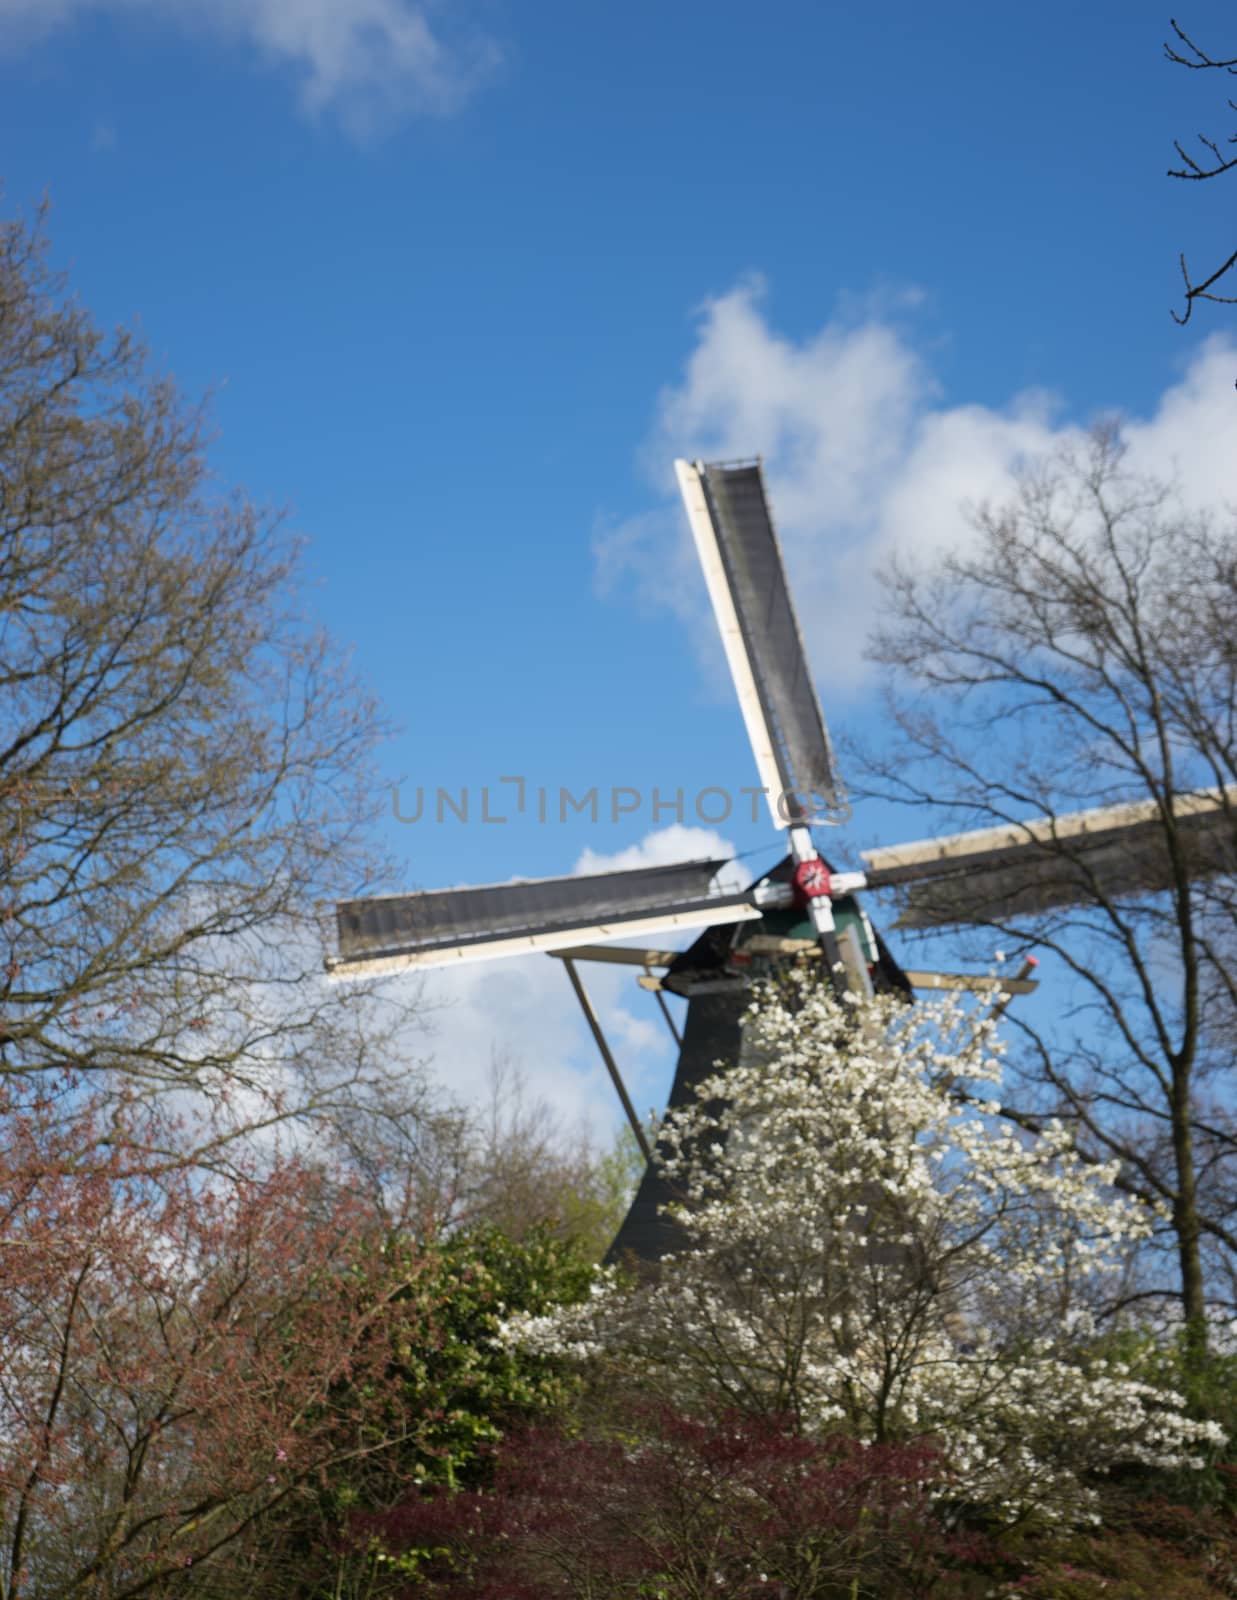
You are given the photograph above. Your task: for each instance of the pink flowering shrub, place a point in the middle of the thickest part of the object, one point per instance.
(180, 1354)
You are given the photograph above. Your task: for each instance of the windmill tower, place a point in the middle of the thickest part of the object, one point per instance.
(803, 909)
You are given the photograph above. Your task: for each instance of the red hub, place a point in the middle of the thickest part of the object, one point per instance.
(811, 881)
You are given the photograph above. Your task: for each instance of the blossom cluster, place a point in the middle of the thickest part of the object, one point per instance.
(870, 1248)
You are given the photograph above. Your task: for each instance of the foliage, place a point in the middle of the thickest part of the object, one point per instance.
(172, 1351)
(523, 1170)
(677, 1508)
(479, 1383)
(449, 1391)
(1152, 1550)
(617, 1175)
(1207, 1381)
(200, 1377)
(872, 1251)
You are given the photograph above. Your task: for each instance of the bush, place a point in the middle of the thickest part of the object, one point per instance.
(1156, 1551)
(677, 1508)
(449, 1392)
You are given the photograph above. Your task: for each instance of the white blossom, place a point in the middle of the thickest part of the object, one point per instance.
(868, 1249)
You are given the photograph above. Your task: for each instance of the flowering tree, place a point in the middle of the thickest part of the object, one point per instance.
(170, 1349)
(872, 1250)
(199, 1377)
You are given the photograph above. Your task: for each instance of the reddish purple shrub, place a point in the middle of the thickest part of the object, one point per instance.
(670, 1506)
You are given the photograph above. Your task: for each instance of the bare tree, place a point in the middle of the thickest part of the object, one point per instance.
(523, 1168)
(1213, 163)
(184, 759)
(1084, 651)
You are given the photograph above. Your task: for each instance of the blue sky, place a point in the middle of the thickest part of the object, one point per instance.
(465, 278)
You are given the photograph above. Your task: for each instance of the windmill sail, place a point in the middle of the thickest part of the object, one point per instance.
(994, 874)
(738, 548)
(390, 933)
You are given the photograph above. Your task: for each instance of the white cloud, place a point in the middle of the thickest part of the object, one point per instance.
(368, 61)
(1190, 436)
(863, 458)
(658, 849)
(525, 1009)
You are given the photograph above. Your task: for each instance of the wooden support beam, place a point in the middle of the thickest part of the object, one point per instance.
(978, 983)
(1005, 994)
(655, 985)
(975, 982)
(1008, 990)
(769, 944)
(586, 1005)
(624, 955)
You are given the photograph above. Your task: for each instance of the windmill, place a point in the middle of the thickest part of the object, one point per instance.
(801, 910)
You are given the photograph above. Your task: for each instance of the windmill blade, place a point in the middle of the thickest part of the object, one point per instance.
(995, 874)
(738, 548)
(443, 927)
